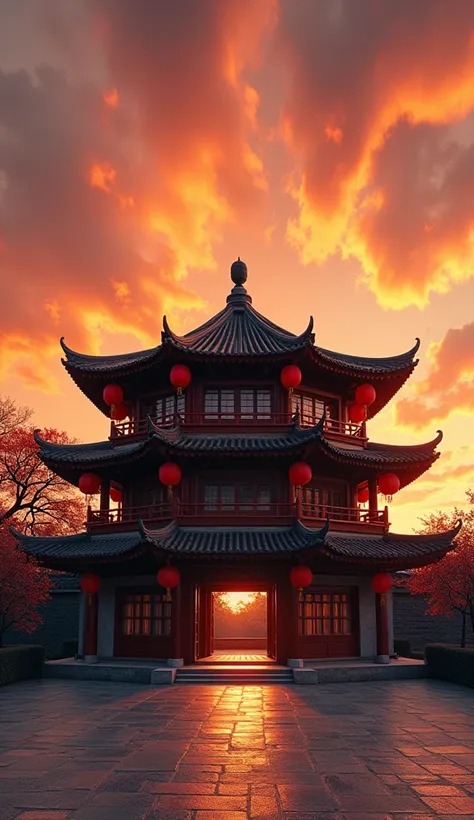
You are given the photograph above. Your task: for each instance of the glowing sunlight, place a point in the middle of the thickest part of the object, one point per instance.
(236, 601)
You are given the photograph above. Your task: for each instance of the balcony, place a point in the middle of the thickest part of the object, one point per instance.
(245, 422)
(191, 514)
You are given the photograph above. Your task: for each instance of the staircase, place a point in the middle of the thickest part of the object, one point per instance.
(236, 675)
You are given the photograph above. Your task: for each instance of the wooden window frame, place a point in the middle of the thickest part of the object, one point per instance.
(314, 623)
(140, 616)
(163, 415)
(300, 395)
(236, 504)
(238, 408)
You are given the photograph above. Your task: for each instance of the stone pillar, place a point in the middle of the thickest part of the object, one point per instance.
(176, 659)
(383, 637)
(91, 628)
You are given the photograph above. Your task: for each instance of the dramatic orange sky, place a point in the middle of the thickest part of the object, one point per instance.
(329, 143)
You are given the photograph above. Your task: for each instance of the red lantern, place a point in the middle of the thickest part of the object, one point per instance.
(365, 395)
(90, 583)
(290, 376)
(116, 495)
(357, 413)
(89, 483)
(113, 394)
(362, 495)
(180, 376)
(119, 412)
(389, 484)
(300, 474)
(170, 474)
(382, 582)
(168, 577)
(301, 577)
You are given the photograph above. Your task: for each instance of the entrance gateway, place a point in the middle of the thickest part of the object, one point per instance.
(238, 459)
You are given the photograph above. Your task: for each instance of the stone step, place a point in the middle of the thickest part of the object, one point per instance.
(233, 676)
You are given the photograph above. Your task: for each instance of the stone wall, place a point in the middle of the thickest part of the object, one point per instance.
(412, 624)
(60, 618)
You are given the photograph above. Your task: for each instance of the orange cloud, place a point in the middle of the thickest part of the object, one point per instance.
(399, 78)
(110, 214)
(449, 385)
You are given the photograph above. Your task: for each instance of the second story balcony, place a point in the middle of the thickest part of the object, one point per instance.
(242, 422)
(192, 514)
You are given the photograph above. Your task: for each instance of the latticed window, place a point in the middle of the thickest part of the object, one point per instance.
(311, 408)
(324, 613)
(243, 497)
(162, 408)
(322, 501)
(249, 403)
(146, 614)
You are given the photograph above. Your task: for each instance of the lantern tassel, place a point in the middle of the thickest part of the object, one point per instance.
(170, 492)
(168, 593)
(179, 391)
(388, 499)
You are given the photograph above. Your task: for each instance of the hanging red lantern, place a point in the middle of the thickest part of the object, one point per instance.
(382, 583)
(113, 394)
(357, 413)
(119, 412)
(116, 495)
(300, 474)
(362, 495)
(170, 474)
(301, 577)
(291, 377)
(389, 484)
(180, 377)
(90, 583)
(89, 483)
(365, 395)
(168, 577)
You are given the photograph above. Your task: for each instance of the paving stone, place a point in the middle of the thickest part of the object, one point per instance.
(106, 751)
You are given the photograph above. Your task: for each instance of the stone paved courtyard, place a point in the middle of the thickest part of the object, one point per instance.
(110, 751)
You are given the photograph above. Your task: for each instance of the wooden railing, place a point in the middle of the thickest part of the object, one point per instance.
(244, 420)
(209, 510)
(356, 515)
(120, 515)
(236, 513)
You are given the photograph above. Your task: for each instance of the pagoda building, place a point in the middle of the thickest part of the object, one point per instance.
(238, 460)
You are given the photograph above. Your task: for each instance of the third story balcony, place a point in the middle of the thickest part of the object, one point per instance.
(192, 513)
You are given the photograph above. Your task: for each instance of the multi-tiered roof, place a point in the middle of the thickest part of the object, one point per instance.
(239, 340)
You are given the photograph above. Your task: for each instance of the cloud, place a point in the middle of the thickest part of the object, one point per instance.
(120, 169)
(378, 119)
(449, 385)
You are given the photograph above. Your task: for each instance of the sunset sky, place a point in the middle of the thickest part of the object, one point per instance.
(330, 143)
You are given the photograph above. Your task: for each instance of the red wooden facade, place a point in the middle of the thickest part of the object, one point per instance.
(235, 522)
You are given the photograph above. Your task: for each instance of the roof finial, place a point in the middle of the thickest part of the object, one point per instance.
(238, 272)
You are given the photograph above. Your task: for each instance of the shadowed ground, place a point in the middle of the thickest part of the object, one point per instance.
(110, 751)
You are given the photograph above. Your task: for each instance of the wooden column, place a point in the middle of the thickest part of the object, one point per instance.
(373, 500)
(91, 628)
(176, 625)
(293, 658)
(105, 494)
(381, 614)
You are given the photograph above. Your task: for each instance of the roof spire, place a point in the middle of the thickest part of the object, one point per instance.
(238, 272)
(238, 295)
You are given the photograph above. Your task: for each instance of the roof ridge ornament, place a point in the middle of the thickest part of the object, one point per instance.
(238, 295)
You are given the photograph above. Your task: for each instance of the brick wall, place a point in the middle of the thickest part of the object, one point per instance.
(412, 624)
(60, 618)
